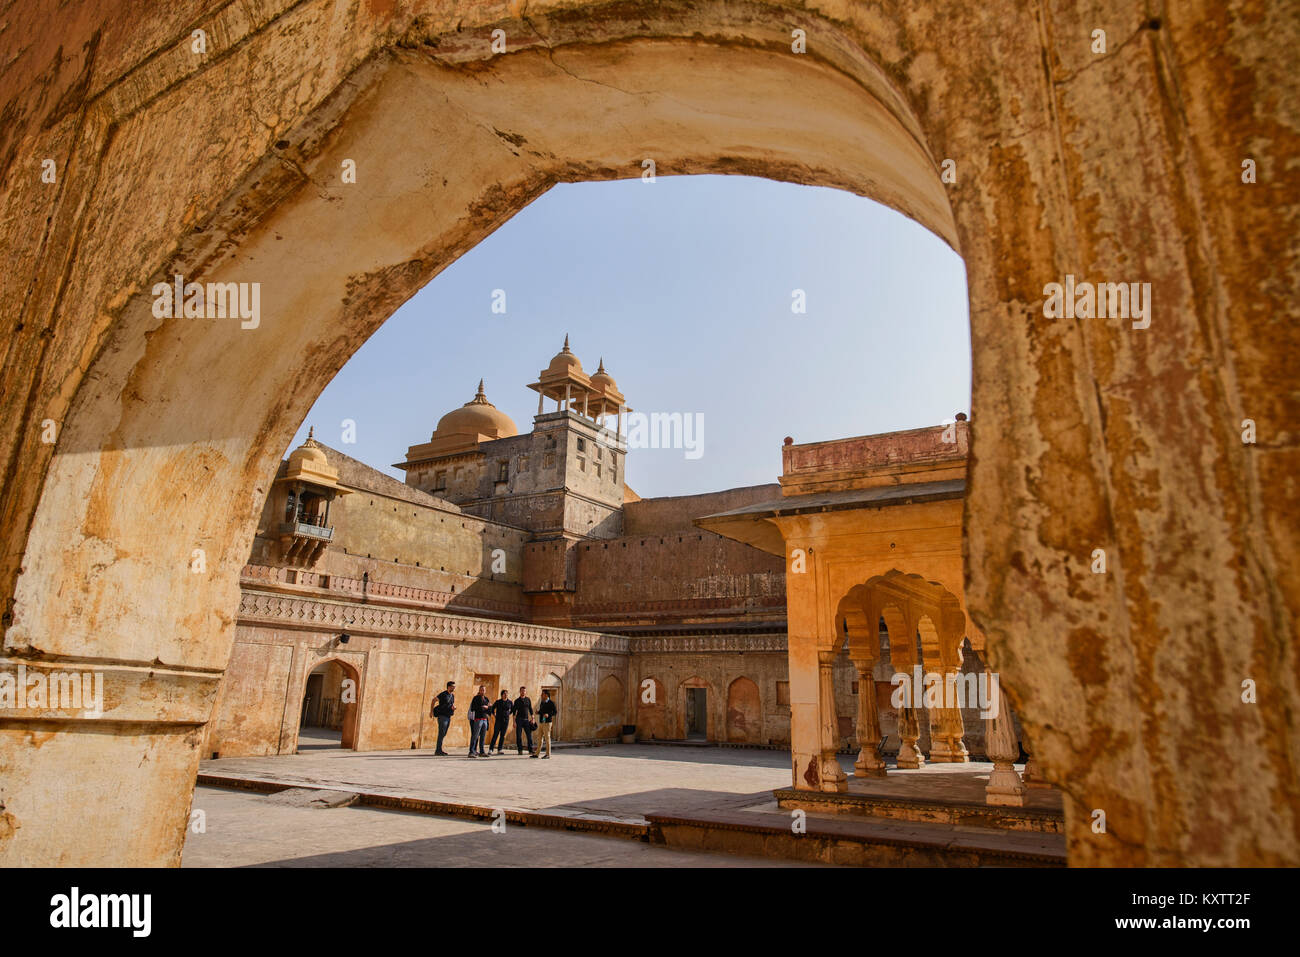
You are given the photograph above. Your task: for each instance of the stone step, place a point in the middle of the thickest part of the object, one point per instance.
(860, 842)
(921, 811)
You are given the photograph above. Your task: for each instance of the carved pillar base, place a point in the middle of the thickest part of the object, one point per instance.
(869, 763)
(1033, 774)
(833, 776)
(1005, 789)
(909, 729)
(946, 738)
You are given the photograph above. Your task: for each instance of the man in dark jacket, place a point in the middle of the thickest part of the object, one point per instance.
(444, 706)
(501, 710)
(478, 721)
(546, 712)
(523, 709)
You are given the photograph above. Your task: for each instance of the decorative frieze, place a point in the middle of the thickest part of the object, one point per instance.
(704, 644)
(269, 608)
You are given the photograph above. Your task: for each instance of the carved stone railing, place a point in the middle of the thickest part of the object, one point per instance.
(306, 578)
(307, 530)
(279, 610)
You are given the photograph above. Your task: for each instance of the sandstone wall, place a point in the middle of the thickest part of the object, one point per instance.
(403, 657)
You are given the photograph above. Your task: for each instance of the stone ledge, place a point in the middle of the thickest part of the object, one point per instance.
(861, 842)
(590, 825)
(955, 812)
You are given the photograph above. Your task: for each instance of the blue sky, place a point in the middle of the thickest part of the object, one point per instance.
(685, 286)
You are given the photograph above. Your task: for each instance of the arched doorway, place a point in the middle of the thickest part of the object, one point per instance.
(693, 704)
(553, 686)
(331, 702)
(744, 712)
(611, 706)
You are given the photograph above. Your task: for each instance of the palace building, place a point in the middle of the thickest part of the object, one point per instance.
(774, 615)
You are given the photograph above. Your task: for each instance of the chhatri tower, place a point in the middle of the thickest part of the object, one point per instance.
(562, 480)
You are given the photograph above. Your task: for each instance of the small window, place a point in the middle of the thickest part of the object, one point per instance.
(503, 471)
(440, 482)
(783, 693)
(582, 444)
(548, 460)
(582, 465)
(597, 470)
(523, 463)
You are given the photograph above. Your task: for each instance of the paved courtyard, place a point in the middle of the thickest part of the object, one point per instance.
(621, 783)
(244, 829)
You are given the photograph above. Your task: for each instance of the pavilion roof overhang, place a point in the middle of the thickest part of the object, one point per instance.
(757, 524)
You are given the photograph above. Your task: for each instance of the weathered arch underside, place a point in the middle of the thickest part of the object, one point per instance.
(225, 167)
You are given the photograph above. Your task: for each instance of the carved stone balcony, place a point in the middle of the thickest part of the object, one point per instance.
(302, 543)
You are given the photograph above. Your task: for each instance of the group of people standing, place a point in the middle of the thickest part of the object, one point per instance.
(482, 708)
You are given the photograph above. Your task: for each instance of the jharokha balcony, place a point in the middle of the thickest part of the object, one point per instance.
(303, 541)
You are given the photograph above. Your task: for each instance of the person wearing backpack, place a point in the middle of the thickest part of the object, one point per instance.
(444, 706)
(523, 710)
(546, 712)
(501, 710)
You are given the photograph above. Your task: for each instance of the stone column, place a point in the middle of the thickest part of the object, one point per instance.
(909, 731)
(869, 763)
(833, 777)
(947, 730)
(1004, 787)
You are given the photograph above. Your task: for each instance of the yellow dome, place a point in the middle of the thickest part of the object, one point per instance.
(602, 380)
(476, 417)
(564, 362)
(309, 451)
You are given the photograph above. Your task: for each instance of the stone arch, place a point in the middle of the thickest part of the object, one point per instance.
(553, 683)
(587, 91)
(611, 707)
(653, 716)
(744, 712)
(334, 710)
(856, 624)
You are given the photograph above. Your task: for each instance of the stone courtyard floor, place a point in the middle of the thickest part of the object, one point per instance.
(620, 784)
(244, 829)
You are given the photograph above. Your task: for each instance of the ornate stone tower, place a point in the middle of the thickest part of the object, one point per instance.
(561, 481)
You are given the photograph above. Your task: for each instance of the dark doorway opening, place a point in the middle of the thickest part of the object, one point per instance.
(697, 711)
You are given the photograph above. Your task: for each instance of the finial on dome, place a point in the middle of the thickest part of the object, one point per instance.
(480, 387)
(602, 366)
(311, 432)
(566, 343)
